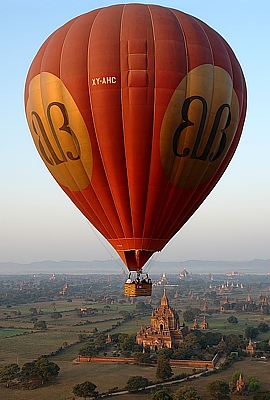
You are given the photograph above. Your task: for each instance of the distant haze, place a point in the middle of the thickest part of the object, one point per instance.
(259, 267)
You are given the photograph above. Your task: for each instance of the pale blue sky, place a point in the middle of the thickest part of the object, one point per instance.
(38, 222)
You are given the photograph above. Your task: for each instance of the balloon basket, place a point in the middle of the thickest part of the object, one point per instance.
(138, 289)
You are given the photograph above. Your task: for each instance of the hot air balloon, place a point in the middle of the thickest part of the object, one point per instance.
(136, 111)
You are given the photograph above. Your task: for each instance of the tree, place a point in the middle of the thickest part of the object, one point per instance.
(56, 315)
(41, 370)
(142, 358)
(234, 343)
(212, 338)
(88, 350)
(218, 389)
(192, 341)
(127, 344)
(141, 306)
(85, 389)
(186, 393)
(82, 337)
(236, 376)
(41, 325)
(190, 314)
(126, 315)
(232, 320)
(161, 394)
(27, 373)
(251, 332)
(45, 370)
(164, 369)
(263, 346)
(263, 327)
(136, 383)
(266, 310)
(8, 373)
(253, 384)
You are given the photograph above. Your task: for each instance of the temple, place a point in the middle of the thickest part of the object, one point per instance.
(164, 330)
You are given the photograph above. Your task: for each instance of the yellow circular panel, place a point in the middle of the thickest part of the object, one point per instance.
(199, 126)
(59, 131)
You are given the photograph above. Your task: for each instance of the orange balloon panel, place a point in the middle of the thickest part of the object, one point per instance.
(136, 110)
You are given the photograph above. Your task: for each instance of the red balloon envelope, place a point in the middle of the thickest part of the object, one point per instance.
(136, 110)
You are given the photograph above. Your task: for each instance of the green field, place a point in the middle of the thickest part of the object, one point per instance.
(4, 333)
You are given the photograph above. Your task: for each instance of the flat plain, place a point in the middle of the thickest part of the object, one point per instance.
(20, 342)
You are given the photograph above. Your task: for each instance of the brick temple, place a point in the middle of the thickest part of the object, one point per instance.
(164, 329)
